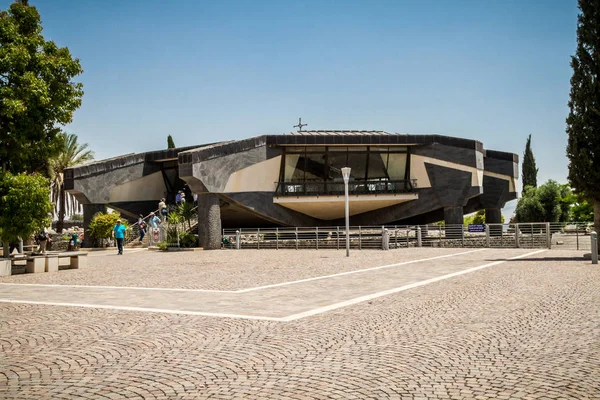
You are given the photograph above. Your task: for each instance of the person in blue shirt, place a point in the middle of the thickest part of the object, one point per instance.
(154, 221)
(119, 234)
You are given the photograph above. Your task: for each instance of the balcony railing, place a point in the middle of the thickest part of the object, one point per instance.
(324, 188)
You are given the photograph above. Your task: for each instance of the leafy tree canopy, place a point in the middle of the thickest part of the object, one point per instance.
(102, 224)
(583, 122)
(69, 153)
(530, 170)
(551, 202)
(37, 90)
(170, 142)
(477, 218)
(582, 211)
(25, 205)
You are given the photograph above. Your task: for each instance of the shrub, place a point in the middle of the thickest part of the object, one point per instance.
(102, 224)
(162, 246)
(188, 240)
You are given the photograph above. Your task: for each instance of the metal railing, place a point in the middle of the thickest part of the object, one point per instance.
(133, 231)
(572, 236)
(315, 188)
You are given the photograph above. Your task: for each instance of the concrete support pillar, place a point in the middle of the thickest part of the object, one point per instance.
(453, 218)
(209, 221)
(89, 210)
(494, 216)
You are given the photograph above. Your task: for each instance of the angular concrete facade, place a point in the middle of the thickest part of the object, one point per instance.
(295, 180)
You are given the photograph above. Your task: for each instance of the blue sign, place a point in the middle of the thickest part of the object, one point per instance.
(477, 228)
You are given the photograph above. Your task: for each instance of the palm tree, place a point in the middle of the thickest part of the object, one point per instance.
(70, 153)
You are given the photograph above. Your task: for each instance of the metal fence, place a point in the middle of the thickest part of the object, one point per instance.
(573, 236)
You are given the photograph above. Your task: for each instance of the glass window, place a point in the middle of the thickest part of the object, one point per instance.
(337, 149)
(357, 148)
(358, 163)
(294, 149)
(382, 149)
(378, 166)
(315, 166)
(337, 161)
(398, 149)
(294, 168)
(396, 166)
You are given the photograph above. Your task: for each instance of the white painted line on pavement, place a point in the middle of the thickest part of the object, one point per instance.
(288, 318)
(249, 289)
(357, 271)
(119, 287)
(142, 309)
(361, 299)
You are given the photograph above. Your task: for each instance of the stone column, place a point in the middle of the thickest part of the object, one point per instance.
(89, 210)
(209, 221)
(453, 218)
(494, 216)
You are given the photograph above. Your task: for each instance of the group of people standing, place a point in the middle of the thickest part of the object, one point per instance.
(153, 220)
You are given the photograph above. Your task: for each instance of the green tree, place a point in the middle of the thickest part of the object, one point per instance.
(37, 90)
(551, 202)
(102, 224)
(70, 153)
(24, 206)
(549, 197)
(529, 208)
(477, 219)
(170, 142)
(583, 122)
(566, 201)
(530, 170)
(581, 211)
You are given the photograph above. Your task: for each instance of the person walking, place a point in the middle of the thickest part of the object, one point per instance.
(141, 227)
(119, 234)
(154, 222)
(142, 231)
(43, 240)
(162, 209)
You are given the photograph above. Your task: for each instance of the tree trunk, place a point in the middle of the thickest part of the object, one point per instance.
(61, 210)
(6, 249)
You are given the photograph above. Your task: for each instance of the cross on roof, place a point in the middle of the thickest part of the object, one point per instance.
(300, 125)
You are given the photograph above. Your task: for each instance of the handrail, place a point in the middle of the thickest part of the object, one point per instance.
(131, 228)
(368, 186)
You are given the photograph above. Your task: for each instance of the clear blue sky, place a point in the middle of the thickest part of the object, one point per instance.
(203, 71)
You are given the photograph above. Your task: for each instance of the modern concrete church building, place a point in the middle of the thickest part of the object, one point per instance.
(295, 180)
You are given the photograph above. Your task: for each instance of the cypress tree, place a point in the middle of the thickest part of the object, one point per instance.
(583, 122)
(529, 169)
(170, 142)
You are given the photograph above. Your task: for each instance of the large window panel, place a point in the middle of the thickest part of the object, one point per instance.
(338, 159)
(378, 166)
(294, 168)
(358, 163)
(397, 166)
(315, 166)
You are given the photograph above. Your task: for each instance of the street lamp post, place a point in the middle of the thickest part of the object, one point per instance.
(346, 175)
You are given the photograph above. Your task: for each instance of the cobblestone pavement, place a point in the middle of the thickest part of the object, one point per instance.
(527, 328)
(222, 270)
